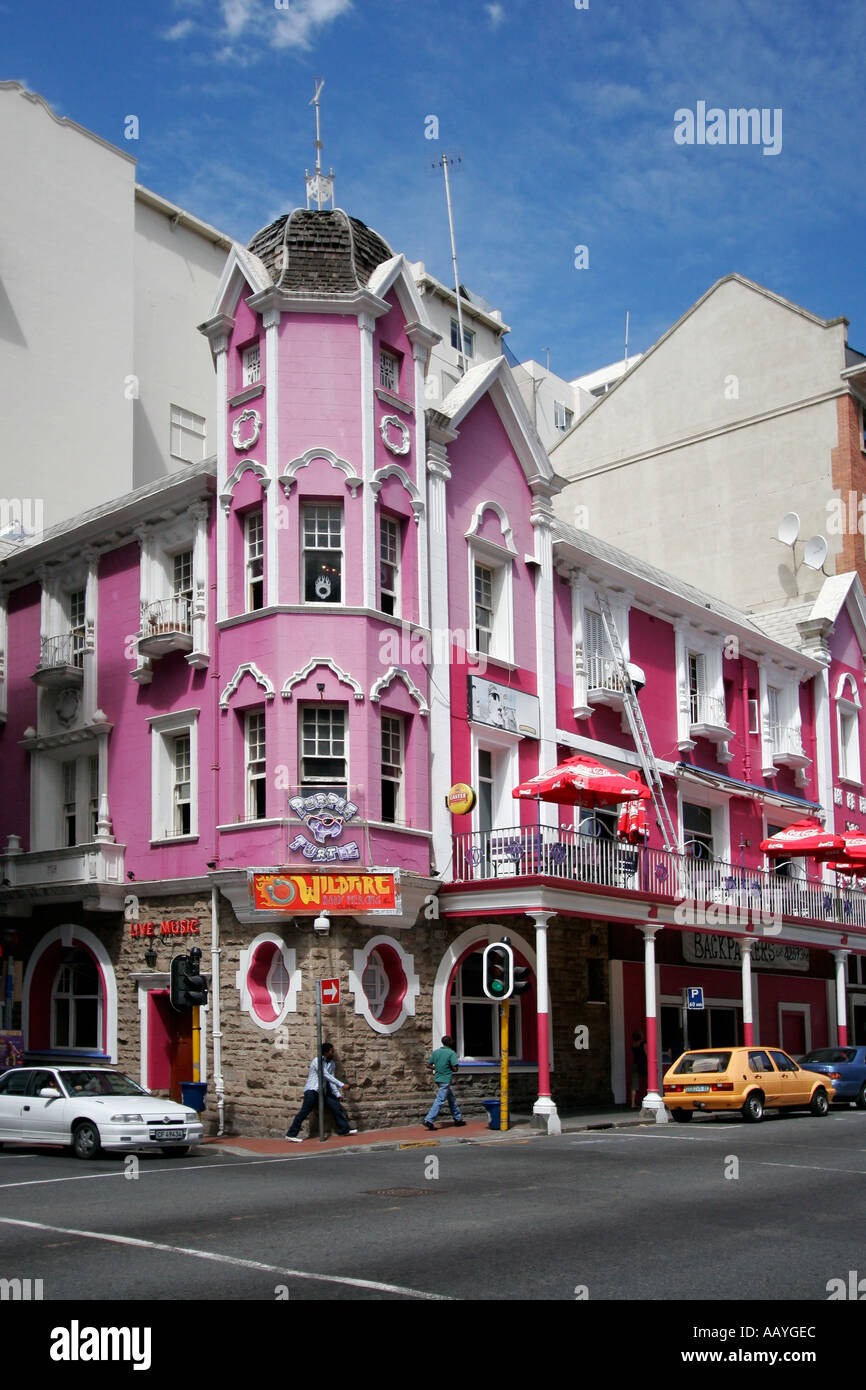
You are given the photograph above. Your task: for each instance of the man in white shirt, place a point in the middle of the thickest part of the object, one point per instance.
(333, 1092)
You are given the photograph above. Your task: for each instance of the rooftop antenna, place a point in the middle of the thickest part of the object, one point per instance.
(547, 351)
(626, 337)
(320, 187)
(444, 163)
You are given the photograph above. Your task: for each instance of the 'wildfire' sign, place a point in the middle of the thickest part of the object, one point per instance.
(298, 893)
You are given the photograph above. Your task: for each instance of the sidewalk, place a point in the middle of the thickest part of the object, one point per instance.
(417, 1137)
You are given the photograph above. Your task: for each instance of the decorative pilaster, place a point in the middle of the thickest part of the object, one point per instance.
(4, 639)
(89, 693)
(199, 657)
(420, 353)
(271, 321)
(541, 519)
(366, 325)
(684, 714)
(439, 473)
(653, 1103)
(143, 669)
(746, 944)
(219, 344)
(841, 998)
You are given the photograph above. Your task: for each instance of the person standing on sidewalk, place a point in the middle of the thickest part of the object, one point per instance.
(333, 1092)
(443, 1063)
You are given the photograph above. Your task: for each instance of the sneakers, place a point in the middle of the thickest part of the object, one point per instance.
(353, 1131)
(294, 1138)
(428, 1124)
(458, 1124)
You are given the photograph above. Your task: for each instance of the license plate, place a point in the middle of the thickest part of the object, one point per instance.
(173, 1133)
(697, 1088)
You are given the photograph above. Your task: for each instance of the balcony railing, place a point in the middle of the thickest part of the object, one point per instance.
(586, 859)
(602, 673)
(787, 745)
(166, 616)
(65, 650)
(708, 709)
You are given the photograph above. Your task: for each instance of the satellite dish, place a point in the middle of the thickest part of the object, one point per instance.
(789, 528)
(815, 553)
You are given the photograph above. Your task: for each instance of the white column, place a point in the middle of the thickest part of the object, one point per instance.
(653, 1103)
(366, 324)
(271, 320)
(841, 998)
(541, 517)
(4, 638)
(220, 347)
(419, 354)
(746, 945)
(544, 1106)
(89, 693)
(199, 655)
(440, 701)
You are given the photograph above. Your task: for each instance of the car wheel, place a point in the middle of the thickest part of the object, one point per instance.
(177, 1151)
(860, 1100)
(85, 1140)
(753, 1110)
(820, 1104)
(682, 1117)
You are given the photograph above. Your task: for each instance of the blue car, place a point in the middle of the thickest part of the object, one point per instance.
(847, 1065)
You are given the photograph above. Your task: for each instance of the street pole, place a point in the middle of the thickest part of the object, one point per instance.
(320, 1065)
(196, 1043)
(503, 1064)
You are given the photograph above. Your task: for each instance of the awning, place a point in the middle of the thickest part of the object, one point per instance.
(700, 775)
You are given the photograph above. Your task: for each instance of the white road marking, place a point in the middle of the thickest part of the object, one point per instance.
(228, 1259)
(814, 1167)
(176, 1169)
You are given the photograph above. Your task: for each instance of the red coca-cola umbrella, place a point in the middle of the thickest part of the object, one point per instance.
(585, 782)
(804, 837)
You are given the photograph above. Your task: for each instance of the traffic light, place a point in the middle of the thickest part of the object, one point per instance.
(521, 976)
(177, 986)
(498, 970)
(196, 984)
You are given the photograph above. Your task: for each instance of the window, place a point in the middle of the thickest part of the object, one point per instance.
(251, 365)
(754, 713)
(485, 790)
(181, 574)
(76, 608)
(255, 765)
(697, 687)
(76, 1003)
(484, 591)
(188, 435)
(70, 794)
(389, 565)
(468, 339)
(323, 746)
(562, 417)
(697, 831)
(181, 796)
(389, 371)
(375, 983)
(475, 1018)
(254, 545)
(848, 729)
(93, 795)
(392, 767)
(323, 552)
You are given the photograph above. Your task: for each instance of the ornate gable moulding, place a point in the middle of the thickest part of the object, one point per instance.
(247, 668)
(507, 542)
(288, 476)
(245, 466)
(393, 470)
(343, 676)
(389, 422)
(394, 673)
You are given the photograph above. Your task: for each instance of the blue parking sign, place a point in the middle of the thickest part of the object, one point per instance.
(695, 997)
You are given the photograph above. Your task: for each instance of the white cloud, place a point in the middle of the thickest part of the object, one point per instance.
(497, 14)
(279, 23)
(178, 31)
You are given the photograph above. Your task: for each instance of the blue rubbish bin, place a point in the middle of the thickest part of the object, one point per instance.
(493, 1109)
(193, 1094)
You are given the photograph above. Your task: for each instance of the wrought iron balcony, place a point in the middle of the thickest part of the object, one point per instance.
(166, 626)
(575, 859)
(787, 746)
(61, 659)
(708, 718)
(604, 681)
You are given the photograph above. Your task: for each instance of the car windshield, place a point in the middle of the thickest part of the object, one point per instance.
(694, 1063)
(829, 1054)
(100, 1083)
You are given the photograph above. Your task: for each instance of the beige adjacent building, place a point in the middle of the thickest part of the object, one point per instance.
(748, 410)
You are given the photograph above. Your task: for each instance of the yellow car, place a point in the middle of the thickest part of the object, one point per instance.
(748, 1079)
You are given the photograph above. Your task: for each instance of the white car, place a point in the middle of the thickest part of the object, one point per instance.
(91, 1108)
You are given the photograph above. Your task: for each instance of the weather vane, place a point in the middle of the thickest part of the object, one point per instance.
(320, 187)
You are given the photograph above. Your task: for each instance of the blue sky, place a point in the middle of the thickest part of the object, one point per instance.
(563, 119)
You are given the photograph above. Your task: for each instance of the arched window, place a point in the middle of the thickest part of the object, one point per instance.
(848, 728)
(474, 1019)
(76, 1003)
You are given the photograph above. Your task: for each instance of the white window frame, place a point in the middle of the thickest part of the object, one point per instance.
(164, 730)
(69, 1047)
(188, 435)
(585, 599)
(306, 509)
(787, 713)
(389, 359)
(395, 564)
(399, 781)
(563, 418)
(254, 559)
(468, 339)
(253, 779)
(500, 563)
(251, 364)
(313, 782)
(691, 643)
(159, 546)
(458, 999)
(848, 718)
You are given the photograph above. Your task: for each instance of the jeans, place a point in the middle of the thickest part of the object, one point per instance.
(444, 1093)
(311, 1101)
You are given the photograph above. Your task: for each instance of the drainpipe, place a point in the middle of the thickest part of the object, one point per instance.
(216, 1031)
(747, 757)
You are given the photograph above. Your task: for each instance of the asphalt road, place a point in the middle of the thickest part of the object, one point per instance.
(716, 1210)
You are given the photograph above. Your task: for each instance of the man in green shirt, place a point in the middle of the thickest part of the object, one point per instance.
(443, 1063)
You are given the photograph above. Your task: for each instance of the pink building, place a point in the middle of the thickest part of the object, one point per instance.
(233, 705)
